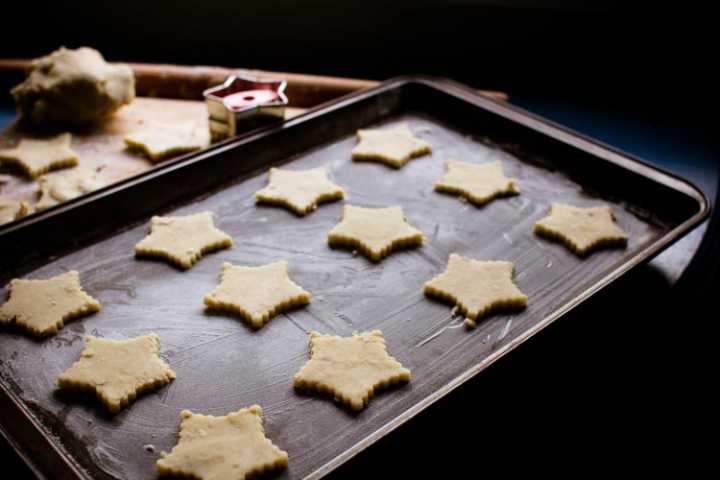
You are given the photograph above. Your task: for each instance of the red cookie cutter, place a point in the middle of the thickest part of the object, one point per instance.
(241, 103)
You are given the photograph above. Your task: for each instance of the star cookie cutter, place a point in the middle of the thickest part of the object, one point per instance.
(244, 102)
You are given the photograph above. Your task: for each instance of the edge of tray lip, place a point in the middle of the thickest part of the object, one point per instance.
(466, 93)
(10, 441)
(58, 450)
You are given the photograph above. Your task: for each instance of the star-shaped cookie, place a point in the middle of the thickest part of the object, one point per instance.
(43, 306)
(391, 146)
(349, 368)
(581, 229)
(478, 182)
(158, 142)
(117, 371)
(300, 191)
(256, 293)
(477, 287)
(35, 157)
(11, 210)
(376, 232)
(63, 186)
(182, 240)
(233, 447)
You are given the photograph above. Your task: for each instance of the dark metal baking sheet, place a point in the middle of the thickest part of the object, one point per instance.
(223, 365)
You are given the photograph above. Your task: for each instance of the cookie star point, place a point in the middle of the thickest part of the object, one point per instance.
(349, 368)
(37, 156)
(479, 183)
(476, 287)
(63, 186)
(256, 294)
(391, 146)
(117, 371)
(582, 230)
(231, 447)
(375, 232)
(299, 191)
(182, 240)
(43, 306)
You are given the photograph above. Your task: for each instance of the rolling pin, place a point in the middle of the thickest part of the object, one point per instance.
(188, 82)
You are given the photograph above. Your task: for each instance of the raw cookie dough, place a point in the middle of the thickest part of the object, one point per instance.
(349, 368)
(233, 447)
(35, 156)
(469, 323)
(476, 287)
(158, 142)
(391, 146)
(11, 210)
(118, 370)
(256, 293)
(376, 232)
(43, 306)
(299, 191)
(581, 229)
(477, 182)
(182, 240)
(63, 186)
(73, 87)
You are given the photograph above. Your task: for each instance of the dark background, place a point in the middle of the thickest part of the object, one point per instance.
(632, 55)
(641, 76)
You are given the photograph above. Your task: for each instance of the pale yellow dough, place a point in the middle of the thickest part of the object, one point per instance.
(233, 447)
(11, 210)
(64, 186)
(118, 370)
(73, 87)
(376, 232)
(391, 146)
(182, 240)
(256, 293)
(476, 287)
(469, 323)
(35, 156)
(43, 306)
(581, 229)
(300, 191)
(158, 142)
(349, 368)
(477, 182)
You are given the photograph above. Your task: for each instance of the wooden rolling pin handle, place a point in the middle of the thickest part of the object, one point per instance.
(180, 81)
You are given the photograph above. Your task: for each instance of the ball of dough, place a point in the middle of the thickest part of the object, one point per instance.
(73, 88)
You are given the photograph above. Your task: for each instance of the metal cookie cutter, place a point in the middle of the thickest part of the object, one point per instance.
(241, 103)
